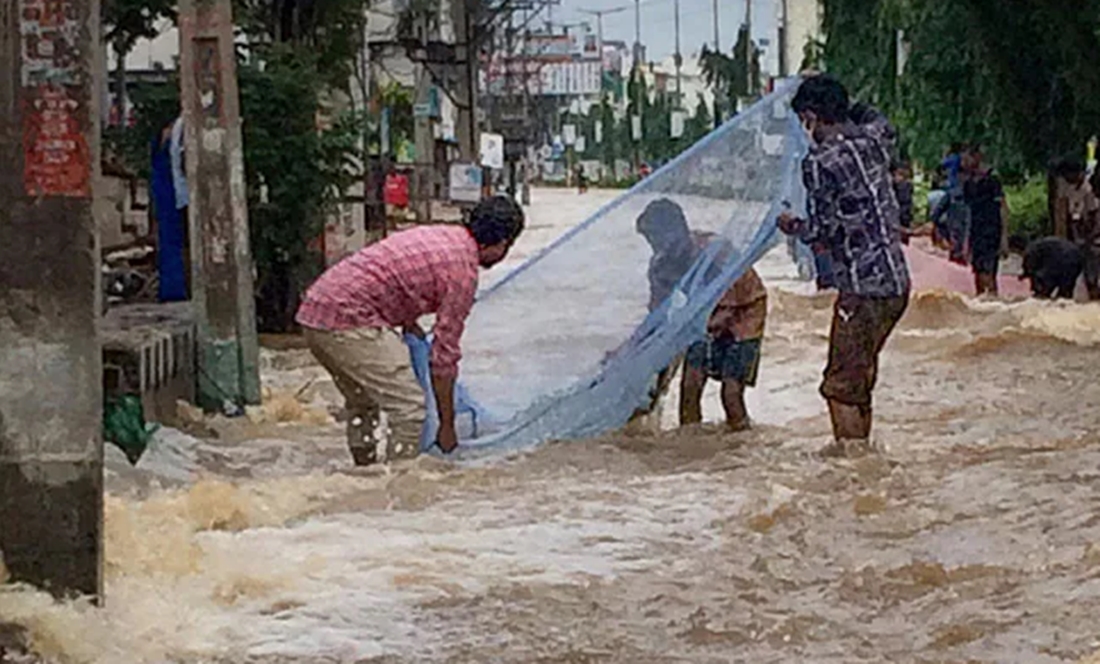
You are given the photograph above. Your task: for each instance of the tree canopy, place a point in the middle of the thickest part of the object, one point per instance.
(1018, 76)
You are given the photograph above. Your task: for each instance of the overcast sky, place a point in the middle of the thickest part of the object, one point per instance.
(658, 34)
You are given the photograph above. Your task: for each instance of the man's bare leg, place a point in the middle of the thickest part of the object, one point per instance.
(851, 429)
(691, 395)
(985, 284)
(733, 400)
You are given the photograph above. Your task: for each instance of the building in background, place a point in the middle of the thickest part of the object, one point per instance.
(802, 26)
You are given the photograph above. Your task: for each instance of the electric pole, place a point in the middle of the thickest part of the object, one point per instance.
(229, 355)
(678, 58)
(717, 40)
(717, 49)
(784, 61)
(750, 50)
(639, 88)
(51, 403)
(466, 126)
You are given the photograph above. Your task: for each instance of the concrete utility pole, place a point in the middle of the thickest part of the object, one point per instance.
(679, 57)
(640, 89)
(717, 49)
(784, 37)
(222, 266)
(717, 35)
(51, 454)
(466, 125)
(749, 49)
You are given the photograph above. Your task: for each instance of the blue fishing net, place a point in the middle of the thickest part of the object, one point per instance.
(568, 344)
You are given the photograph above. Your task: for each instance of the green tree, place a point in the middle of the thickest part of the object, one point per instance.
(1018, 76)
(124, 23)
(736, 76)
(700, 124)
(296, 168)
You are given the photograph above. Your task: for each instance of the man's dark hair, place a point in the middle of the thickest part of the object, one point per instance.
(1071, 167)
(861, 113)
(824, 96)
(1017, 243)
(495, 220)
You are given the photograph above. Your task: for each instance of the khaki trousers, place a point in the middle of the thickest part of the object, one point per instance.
(384, 402)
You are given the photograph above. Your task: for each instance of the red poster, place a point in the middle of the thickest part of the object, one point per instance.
(56, 158)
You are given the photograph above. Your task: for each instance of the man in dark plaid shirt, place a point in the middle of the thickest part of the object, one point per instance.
(852, 210)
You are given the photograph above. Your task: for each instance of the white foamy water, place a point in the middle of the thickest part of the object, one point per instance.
(975, 540)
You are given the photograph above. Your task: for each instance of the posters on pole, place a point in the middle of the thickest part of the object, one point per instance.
(676, 124)
(56, 155)
(569, 134)
(492, 151)
(465, 183)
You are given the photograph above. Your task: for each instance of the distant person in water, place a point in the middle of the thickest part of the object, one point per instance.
(1077, 210)
(903, 191)
(1052, 264)
(354, 313)
(731, 351)
(582, 179)
(952, 213)
(853, 210)
(985, 197)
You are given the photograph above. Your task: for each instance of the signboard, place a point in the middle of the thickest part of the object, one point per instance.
(56, 157)
(599, 131)
(504, 77)
(636, 127)
(579, 145)
(465, 183)
(569, 134)
(677, 124)
(492, 150)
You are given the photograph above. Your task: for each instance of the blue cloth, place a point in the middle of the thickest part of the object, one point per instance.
(466, 410)
(170, 265)
(952, 164)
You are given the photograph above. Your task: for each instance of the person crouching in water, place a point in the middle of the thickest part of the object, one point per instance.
(852, 208)
(731, 351)
(353, 314)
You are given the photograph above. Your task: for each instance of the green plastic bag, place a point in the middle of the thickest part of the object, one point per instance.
(124, 425)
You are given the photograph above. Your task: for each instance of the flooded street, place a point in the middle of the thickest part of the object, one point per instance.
(975, 538)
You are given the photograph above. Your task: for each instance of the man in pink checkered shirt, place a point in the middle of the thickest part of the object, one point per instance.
(352, 316)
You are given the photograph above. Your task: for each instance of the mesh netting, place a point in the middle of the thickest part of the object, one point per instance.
(568, 344)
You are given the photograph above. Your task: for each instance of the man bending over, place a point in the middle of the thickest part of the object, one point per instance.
(353, 315)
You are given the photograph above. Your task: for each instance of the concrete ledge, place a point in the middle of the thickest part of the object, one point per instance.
(149, 350)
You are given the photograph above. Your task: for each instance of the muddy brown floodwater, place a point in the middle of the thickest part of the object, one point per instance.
(975, 538)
